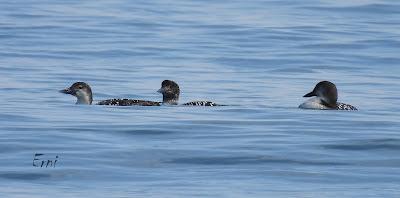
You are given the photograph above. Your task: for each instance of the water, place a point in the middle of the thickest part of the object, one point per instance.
(258, 56)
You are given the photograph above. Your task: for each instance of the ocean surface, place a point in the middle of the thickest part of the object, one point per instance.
(257, 56)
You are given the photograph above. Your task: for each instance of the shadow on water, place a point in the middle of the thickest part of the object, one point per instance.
(255, 160)
(386, 144)
(146, 132)
(24, 176)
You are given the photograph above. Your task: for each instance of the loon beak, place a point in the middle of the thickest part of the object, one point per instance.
(311, 94)
(161, 90)
(66, 91)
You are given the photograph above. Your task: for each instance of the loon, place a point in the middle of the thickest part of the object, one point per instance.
(170, 91)
(326, 98)
(83, 93)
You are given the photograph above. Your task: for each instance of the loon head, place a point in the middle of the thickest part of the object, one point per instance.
(81, 91)
(327, 92)
(170, 91)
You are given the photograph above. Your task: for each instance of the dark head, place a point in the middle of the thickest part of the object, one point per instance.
(326, 91)
(170, 91)
(81, 91)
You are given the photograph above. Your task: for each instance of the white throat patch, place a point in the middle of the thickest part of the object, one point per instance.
(83, 97)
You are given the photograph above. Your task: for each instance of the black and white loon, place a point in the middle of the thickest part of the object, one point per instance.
(326, 98)
(83, 93)
(170, 91)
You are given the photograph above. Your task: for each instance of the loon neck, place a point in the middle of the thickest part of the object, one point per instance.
(171, 99)
(83, 101)
(84, 98)
(171, 102)
(330, 105)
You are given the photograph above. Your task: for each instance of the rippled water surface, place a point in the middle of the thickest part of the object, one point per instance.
(258, 56)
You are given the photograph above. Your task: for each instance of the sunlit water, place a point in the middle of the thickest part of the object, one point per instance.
(258, 56)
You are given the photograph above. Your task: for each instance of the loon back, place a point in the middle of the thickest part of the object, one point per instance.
(346, 107)
(128, 102)
(201, 103)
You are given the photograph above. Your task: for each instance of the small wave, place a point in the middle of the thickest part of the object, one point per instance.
(370, 8)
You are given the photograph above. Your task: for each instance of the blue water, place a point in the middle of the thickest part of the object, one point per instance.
(259, 56)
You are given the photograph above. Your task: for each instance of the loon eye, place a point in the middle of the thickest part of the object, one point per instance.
(80, 87)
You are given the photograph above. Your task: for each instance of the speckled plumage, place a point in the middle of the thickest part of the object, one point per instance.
(201, 103)
(347, 107)
(128, 102)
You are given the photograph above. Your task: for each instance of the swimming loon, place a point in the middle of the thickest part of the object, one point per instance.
(170, 91)
(83, 93)
(326, 98)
